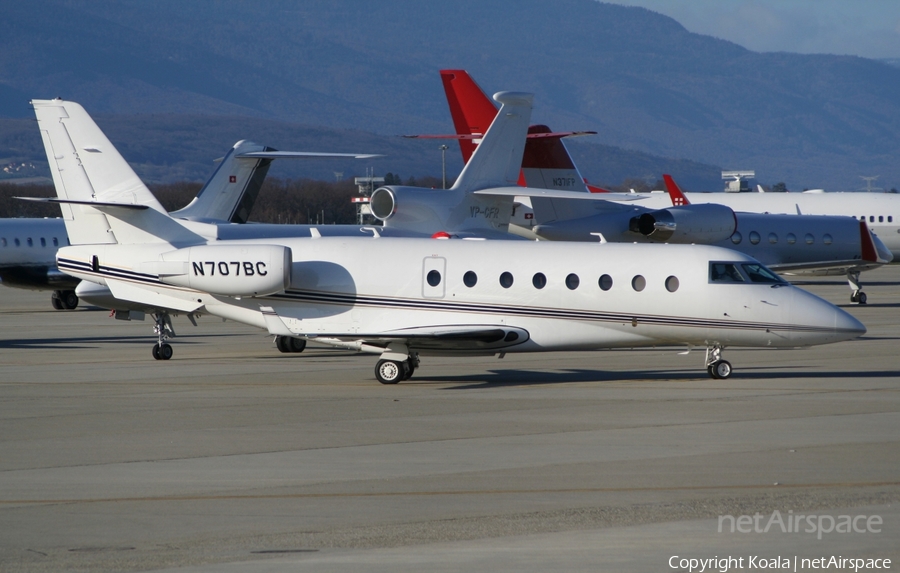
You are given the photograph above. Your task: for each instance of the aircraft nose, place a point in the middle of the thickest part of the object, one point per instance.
(829, 323)
(846, 323)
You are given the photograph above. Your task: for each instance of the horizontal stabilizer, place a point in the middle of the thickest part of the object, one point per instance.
(304, 155)
(556, 194)
(90, 203)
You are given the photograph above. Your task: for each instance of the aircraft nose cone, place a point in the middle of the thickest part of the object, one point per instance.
(847, 324)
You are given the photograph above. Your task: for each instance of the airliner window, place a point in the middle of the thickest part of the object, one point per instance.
(773, 238)
(16, 241)
(506, 280)
(791, 238)
(469, 279)
(871, 218)
(43, 242)
(736, 238)
(724, 273)
(539, 280)
(810, 239)
(572, 281)
(890, 218)
(760, 274)
(754, 237)
(672, 284)
(433, 278)
(30, 242)
(827, 239)
(638, 283)
(3, 241)
(881, 218)
(55, 242)
(605, 282)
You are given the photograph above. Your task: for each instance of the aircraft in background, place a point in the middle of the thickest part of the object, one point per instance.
(828, 245)
(401, 298)
(28, 246)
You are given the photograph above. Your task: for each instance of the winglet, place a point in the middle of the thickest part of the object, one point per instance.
(678, 198)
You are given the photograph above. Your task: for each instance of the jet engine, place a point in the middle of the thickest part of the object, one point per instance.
(241, 270)
(703, 223)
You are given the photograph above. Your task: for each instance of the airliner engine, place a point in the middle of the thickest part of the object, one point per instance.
(240, 270)
(704, 223)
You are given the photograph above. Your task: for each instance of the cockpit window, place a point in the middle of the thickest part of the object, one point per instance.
(760, 274)
(724, 273)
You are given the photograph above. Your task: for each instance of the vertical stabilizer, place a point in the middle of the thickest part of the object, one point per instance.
(497, 160)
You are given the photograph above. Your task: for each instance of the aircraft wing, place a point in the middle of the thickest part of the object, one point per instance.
(551, 135)
(303, 155)
(557, 194)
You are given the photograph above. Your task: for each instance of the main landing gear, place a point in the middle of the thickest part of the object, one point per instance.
(290, 344)
(163, 330)
(64, 299)
(393, 371)
(717, 368)
(857, 296)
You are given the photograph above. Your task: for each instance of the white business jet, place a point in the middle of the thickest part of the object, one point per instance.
(28, 246)
(405, 297)
(787, 243)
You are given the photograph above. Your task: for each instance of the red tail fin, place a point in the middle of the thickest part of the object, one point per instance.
(471, 109)
(678, 198)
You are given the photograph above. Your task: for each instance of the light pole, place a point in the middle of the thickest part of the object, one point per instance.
(443, 149)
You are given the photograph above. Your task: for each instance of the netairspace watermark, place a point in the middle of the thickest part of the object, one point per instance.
(725, 564)
(799, 523)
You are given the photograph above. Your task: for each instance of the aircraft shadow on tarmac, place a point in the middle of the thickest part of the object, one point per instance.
(515, 377)
(93, 341)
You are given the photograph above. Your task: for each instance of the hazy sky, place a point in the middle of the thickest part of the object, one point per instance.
(867, 28)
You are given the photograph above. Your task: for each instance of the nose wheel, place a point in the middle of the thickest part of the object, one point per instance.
(857, 295)
(717, 367)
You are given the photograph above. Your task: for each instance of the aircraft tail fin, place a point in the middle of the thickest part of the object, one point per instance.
(102, 198)
(498, 158)
(471, 109)
(675, 193)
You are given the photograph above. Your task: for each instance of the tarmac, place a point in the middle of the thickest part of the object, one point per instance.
(235, 457)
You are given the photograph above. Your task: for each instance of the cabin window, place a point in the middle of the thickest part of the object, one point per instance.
(605, 282)
(539, 280)
(3, 241)
(30, 242)
(863, 218)
(55, 242)
(17, 242)
(810, 239)
(433, 277)
(791, 238)
(827, 239)
(871, 218)
(572, 281)
(672, 284)
(890, 218)
(773, 238)
(506, 280)
(469, 279)
(736, 238)
(724, 273)
(43, 242)
(754, 237)
(881, 218)
(760, 274)
(638, 283)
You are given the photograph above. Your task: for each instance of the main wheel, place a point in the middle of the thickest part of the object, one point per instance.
(389, 371)
(57, 304)
(165, 351)
(720, 369)
(296, 344)
(69, 299)
(282, 342)
(409, 368)
(156, 355)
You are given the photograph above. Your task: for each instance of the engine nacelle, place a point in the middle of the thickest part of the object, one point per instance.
(703, 223)
(241, 270)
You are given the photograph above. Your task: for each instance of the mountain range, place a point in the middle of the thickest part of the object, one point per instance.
(177, 83)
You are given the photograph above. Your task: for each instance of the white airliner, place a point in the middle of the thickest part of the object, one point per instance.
(28, 246)
(787, 243)
(405, 297)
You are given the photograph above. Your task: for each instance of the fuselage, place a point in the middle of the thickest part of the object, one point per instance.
(881, 211)
(555, 296)
(28, 254)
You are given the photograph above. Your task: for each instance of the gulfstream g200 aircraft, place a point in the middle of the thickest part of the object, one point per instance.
(424, 296)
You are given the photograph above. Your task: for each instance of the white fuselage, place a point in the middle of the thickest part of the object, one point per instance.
(881, 211)
(28, 253)
(373, 289)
